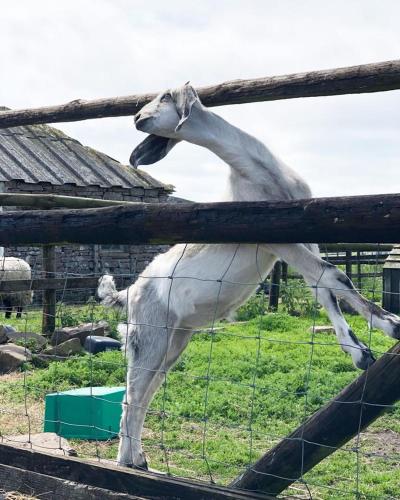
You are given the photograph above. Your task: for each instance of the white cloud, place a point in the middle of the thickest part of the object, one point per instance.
(53, 52)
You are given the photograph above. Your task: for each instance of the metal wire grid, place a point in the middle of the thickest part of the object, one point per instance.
(305, 485)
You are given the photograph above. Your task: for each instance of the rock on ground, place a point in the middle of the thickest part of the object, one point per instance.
(27, 336)
(4, 331)
(322, 329)
(67, 348)
(12, 357)
(80, 332)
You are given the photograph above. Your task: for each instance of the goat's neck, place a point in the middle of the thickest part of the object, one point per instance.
(255, 173)
(254, 169)
(241, 151)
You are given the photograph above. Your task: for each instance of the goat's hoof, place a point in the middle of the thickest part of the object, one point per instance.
(366, 360)
(396, 330)
(140, 466)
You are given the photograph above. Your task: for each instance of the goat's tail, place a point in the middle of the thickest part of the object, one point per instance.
(108, 294)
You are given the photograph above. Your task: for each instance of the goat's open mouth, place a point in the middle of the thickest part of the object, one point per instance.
(140, 124)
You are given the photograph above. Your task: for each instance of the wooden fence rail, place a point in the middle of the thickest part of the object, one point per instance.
(357, 406)
(109, 477)
(49, 201)
(376, 77)
(347, 219)
(68, 283)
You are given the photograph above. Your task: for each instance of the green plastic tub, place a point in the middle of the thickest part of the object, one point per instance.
(88, 413)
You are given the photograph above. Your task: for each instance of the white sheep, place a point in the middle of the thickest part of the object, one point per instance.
(190, 286)
(12, 268)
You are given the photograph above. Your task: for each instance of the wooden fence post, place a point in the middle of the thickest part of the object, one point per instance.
(359, 277)
(49, 296)
(275, 282)
(356, 407)
(391, 281)
(348, 264)
(285, 272)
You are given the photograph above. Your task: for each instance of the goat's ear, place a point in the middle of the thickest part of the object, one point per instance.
(151, 150)
(185, 97)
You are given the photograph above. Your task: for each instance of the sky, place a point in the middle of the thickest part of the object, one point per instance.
(53, 52)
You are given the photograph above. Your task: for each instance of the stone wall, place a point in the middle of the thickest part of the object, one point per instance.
(85, 260)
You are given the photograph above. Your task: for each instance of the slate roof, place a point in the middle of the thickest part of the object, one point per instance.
(39, 153)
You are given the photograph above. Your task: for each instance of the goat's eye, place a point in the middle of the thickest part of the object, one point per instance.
(166, 97)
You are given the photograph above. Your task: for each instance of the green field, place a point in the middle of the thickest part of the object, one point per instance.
(232, 395)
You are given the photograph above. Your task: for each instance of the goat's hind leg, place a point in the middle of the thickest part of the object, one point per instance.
(151, 352)
(361, 355)
(314, 270)
(329, 276)
(376, 316)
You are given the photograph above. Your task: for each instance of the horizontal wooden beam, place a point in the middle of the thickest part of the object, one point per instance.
(357, 247)
(66, 283)
(354, 260)
(133, 482)
(376, 77)
(349, 219)
(48, 487)
(356, 407)
(49, 201)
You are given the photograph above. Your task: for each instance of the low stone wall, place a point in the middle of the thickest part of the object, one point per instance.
(83, 260)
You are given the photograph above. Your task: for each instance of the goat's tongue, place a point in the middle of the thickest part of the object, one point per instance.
(151, 150)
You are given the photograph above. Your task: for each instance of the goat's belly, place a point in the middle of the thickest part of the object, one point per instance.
(208, 281)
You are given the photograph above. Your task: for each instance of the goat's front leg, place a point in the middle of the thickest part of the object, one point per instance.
(329, 282)
(154, 354)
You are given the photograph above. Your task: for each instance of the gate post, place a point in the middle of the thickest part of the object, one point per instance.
(391, 281)
(49, 296)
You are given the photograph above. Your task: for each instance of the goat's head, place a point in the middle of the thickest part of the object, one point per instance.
(163, 118)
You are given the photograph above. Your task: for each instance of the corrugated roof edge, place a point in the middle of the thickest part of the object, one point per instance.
(153, 183)
(146, 178)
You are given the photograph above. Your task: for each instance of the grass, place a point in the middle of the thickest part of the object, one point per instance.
(231, 396)
(67, 315)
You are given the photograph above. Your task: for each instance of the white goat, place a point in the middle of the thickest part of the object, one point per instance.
(192, 285)
(12, 268)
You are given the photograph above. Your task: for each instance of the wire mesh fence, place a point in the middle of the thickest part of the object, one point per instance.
(241, 386)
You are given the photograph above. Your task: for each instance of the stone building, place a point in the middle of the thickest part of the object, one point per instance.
(42, 159)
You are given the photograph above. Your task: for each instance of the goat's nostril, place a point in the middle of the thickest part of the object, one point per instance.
(136, 117)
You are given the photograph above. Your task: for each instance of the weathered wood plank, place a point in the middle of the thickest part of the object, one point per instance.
(48, 201)
(357, 247)
(371, 261)
(48, 284)
(52, 201)
(66, 283)
(52, 488)
(376, 77)
(142, 484)
(356, 407)
(347, 219)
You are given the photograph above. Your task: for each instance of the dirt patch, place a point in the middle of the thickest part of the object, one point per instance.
(385, 444)
(16, 418)
(14, 495)
(11, 377)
